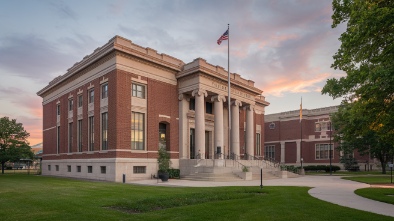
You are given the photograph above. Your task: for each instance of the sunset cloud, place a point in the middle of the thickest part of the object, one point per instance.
(286, 47)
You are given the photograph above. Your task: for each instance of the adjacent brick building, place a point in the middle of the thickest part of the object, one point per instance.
(287, 144)
(108, 115)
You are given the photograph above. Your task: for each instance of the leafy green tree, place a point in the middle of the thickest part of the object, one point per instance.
(366, 55)
(13, 142)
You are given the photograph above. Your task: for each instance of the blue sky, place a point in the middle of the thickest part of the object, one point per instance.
(285, 46)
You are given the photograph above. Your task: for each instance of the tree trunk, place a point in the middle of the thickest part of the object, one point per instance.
(383, 164)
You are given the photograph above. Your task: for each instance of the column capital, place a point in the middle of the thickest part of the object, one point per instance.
(249, 107)
(236, 103)
(219, 98)
(199, 92)
(183, 96)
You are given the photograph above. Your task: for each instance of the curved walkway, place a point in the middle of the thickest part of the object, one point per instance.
(332, 189)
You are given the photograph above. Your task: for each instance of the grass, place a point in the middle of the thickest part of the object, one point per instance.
(379, 194)
(24, 197)
(381, 179)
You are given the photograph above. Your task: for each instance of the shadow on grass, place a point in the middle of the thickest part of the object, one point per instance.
(180, 200)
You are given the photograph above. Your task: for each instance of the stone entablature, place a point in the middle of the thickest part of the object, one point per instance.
(201, 65)
(306, 114)
(120, 44)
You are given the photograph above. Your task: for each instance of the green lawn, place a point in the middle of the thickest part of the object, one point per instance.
(375, 179)
(24, 197)
(380, 194)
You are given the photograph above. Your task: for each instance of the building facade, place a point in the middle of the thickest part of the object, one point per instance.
(108, 115)
(290, 140)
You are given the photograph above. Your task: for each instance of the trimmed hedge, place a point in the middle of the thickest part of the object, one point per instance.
(174, 173)
(318, 168)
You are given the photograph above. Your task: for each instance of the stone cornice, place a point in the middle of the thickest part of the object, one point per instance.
(121, 44)
(200, 65)
(51, 86)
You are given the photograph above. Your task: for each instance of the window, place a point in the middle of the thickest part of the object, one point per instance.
(139, 169)
(138, 90)
(272, 126)
(68, 168)
(58, 140)
(323, 126)
(104, 91)
(80, 100)
(91, 133)
(323, 150)
(90, 169)
(269, 152)
(91, 96)
(104, 131)
(192, 104)
(208, 107)
(162, 135)
(49, 167)
(258, 144)
(58, 109)
(79, 138)
(70, 104)
(70, 137)
(78, 169)
(137, 131)
(57, 167)
(103, 169)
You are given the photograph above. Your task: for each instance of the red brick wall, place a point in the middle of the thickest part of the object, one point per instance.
(162, 100)
(290, 152)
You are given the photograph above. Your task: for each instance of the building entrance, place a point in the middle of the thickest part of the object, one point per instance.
(192, 147)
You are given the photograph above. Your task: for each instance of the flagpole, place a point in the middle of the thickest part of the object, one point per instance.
(229, 90)
(301, 134)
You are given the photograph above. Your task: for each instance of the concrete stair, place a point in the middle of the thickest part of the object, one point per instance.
(216, 177)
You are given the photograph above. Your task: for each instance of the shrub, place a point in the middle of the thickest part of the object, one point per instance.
(174, 173)
(317, 168)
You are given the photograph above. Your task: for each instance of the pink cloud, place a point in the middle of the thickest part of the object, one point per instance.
(282, 85)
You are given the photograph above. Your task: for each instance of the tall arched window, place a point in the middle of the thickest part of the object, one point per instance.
(163, 135)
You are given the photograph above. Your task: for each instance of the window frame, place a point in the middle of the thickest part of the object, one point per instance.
(104, 91)
(104, 131)
(135, 92)
(258, 144)
(80, 101)
(70, 136)
(70, 104)
(91, 96)
(91, 133)
(269, 152)
(138, 128)
(325, 147)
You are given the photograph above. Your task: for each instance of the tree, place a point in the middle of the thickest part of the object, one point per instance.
(13, 142)
(350, 134)
(366, 55)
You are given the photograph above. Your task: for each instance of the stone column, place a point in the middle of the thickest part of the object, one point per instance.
(249, 130)
(282, 152)
(199, 118)
(235, 127)
(183, 130)
(298, 151)
(219, 125)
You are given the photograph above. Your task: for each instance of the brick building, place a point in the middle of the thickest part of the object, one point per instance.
(108, 115)
(283, 141)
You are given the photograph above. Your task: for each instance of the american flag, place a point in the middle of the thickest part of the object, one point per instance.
(223, 37)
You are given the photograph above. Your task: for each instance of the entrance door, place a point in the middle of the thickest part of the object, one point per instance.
(207, 153)
(192, 144)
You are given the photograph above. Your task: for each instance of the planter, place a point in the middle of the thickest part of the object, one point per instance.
(163, 176)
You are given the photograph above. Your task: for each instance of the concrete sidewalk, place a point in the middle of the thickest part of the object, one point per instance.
(328, 188)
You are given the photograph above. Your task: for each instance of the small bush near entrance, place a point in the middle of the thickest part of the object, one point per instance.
(174, 173)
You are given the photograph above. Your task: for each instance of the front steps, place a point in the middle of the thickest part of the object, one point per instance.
(225, 170)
